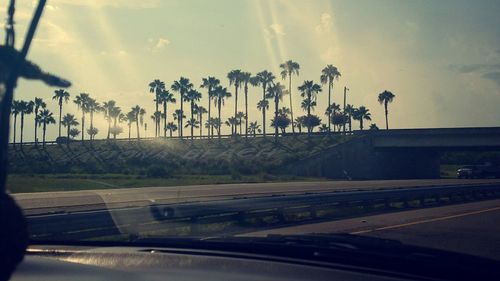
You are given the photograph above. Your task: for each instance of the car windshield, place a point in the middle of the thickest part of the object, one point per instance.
(136, 120)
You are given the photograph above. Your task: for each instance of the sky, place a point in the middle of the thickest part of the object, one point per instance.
(440, 58)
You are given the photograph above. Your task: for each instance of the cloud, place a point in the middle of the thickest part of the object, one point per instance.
(474, 68)
(326, 23)
(158, 44)
(275, 30)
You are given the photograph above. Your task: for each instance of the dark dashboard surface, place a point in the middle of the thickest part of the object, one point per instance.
(129, 263)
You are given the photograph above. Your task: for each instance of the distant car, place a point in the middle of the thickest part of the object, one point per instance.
(478, 171)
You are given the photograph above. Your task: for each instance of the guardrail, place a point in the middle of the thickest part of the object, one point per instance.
(236, 215)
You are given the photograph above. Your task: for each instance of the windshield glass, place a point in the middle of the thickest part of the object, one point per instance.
(248, 118)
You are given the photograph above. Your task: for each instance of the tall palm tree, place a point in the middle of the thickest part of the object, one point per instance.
(166, 97)
(171, 127)
(130, 119)
(200, 110)
(15, 110)
(254, 128)
(108, 107)
(288, 69)
(264, 78)
(221, 94)
(275, 92)
(192, 97)
(349, 110)
(44, 118)
(25, 108)
(38, 104)
(193, 123)
(331, 110)
(263, 105)
(138, 114)
(156, 87)
(93, 106)
(235, 78)
(329, 74)
(115, 114)
(239, 116)
(61, 96)
(69, 120)
(182, 86)
(82, 101)
(210, 83)
(385, 98)
(362, 113)
(74, 132)
(246, 78)
(309, 91)
(179, 115)
(232, 122)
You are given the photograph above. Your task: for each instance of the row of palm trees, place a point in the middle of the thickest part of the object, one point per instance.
(272, 91)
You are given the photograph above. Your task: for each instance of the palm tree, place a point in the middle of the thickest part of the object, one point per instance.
(193, 123)
(254, 128)
(239, 116)
(74, 132)
(264, 78)
(38, 104)
(93, 106)
(282, 121)
(69, 120)
(165, 97)
(82, 103)
(309, 90)
(385, 98)
(362, 113)
(61, 96)
(129, 119)
(183, 86)
(200, 110)
(323, 128)
(275, 92)
(232, 122)
(92, 132)
(220, 95)
(25, 107)
(44, 118)
(179, 115)
(15, 110)
(138, 113)
(171, 127)
(115, 114)
(288, 69)
(373, 127)
(349, 110)
(299, 123)
(192, 97)
(339, 119)
(108, 107)
(263, 105)
(156, 87)
(246, 78)
(235, 78)
(331, 110)
(210, 83)
(329, 74)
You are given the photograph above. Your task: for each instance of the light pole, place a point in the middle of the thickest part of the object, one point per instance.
(345, 95)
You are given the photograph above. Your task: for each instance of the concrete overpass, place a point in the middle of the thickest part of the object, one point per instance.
(396, 154)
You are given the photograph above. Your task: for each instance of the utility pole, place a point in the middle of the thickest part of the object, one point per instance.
(345, 94)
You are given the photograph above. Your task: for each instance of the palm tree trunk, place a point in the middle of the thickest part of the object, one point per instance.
(114, 125)
(182, 115)
(44, 130)
(15, 126)
(68, 132)
(309, 114)
(192, 119)
(264, 122)
(329, 104)
(165, 119)
(235, 105)
(210, 128)
(129, 129)
(201, 124)
(246, 111)
(290, 94)
(276, 105)
(60, 116)
(22, 128)
(92, 124)
(36, 127)
(218, 108)
(386, 117)
(137, 127)
(157, 121)
(109, 126)
(361, 124)
(83, 125)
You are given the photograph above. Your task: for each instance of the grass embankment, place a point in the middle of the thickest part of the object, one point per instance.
(18, 183)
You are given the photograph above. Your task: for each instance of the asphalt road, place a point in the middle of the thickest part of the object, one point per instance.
(470, 228)
(73, 201)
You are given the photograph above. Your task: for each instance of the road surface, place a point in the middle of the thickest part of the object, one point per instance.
(470, 228)
(73, 201)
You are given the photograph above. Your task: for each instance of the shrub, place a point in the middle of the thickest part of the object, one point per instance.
(157, 171)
